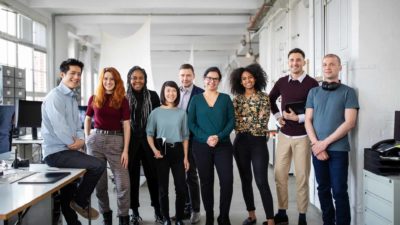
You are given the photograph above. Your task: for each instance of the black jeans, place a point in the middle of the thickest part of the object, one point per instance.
(252, 150)
(192, 181)
(172, 160)
(140, 153)
(79, 193)
(221, 157)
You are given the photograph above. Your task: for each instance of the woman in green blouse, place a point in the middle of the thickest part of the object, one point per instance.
(252, 109)
(211, 120)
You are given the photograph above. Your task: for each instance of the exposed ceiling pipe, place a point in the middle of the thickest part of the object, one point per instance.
(254, 23)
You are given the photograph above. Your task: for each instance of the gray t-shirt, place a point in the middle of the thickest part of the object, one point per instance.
(328, 112)
(170, 124)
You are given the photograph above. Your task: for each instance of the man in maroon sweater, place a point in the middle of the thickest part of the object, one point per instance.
(292, 138)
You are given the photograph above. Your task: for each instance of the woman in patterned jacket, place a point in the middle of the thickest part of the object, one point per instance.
(252, 110)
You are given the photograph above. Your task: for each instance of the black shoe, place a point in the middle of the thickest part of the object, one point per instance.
(179, 222)
(107, 218)
(167, 222)
(209, 220)
(159, 218)
(223, 220)
(302, 222)
(281, 220)
(186, 216)
(124, 220)
(135, 219)
(249, 221)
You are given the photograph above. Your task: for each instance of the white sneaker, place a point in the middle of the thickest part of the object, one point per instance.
(195, 217)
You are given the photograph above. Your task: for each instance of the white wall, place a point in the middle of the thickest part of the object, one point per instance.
(374, 74)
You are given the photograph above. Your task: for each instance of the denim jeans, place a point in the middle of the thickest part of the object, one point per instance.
(81, 193)
(331, 176)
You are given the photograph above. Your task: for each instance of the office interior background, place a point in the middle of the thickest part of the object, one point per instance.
(160, 35)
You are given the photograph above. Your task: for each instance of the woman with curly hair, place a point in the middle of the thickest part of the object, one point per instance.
(252, 110)
(110, 140)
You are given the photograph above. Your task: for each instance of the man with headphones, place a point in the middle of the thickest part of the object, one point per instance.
(331, 112)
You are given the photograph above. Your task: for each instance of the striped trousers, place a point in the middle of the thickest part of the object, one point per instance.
(109, 148)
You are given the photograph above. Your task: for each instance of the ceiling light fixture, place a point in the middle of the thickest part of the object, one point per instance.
(243, 42)
(250, 51)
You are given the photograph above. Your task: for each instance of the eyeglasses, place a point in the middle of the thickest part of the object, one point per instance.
(215, 79)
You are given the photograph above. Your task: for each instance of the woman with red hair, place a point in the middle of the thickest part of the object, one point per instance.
(110, 140)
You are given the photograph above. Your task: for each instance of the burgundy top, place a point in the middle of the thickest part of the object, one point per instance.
(108, 118)
(291, 91)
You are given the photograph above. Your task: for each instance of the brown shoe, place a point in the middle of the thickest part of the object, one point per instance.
(91, 213)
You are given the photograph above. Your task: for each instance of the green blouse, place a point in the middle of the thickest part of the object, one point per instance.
(252, 114)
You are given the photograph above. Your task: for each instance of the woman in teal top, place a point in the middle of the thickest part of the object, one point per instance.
(168, 124)
(211, 119)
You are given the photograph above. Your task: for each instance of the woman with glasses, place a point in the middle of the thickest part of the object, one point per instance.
(110, 141)
(211, 120)
(168, 124)
(141, 102)
(252, 110)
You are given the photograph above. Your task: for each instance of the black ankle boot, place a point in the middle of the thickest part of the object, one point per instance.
(209, 218)
(124, 220)
(223, 220)
(107, 216)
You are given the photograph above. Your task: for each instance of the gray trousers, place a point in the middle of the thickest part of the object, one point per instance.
(109, 148)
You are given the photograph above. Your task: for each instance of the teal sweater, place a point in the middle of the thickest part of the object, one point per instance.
(205, 121)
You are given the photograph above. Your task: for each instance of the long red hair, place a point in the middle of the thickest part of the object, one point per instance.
(118, 94)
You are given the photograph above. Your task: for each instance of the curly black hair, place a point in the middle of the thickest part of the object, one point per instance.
(254, 69)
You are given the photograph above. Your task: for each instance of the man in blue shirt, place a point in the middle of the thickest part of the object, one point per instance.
(63, 140)
(331, 112)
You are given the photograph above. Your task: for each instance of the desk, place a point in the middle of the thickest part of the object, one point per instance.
(15, 198)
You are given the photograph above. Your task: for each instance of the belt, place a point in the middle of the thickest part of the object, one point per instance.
(108, 132)
(172, 145)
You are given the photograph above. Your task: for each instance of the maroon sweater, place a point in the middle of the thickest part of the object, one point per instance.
(108, 118)
(291, 91)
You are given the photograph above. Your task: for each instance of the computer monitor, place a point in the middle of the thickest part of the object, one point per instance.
(6, 127)
(29, 114)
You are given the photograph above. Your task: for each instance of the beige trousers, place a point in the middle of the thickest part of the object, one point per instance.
(300, 150)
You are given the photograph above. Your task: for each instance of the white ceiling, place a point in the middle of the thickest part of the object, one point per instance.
(213, 28)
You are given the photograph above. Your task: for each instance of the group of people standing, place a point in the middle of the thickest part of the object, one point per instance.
(187, 130)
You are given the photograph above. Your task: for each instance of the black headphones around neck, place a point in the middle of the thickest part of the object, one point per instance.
(330, 86)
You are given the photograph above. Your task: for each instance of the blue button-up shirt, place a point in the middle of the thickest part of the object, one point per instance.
(60, 120)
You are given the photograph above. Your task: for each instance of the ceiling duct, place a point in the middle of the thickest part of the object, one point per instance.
(255, 21)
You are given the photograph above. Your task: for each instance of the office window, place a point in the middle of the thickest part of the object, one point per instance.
(39, 72)
(8, 53)
(25, 55)
(8, 22)
(23, 45)
(39, 34)
(24, 28)
(3, 54)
